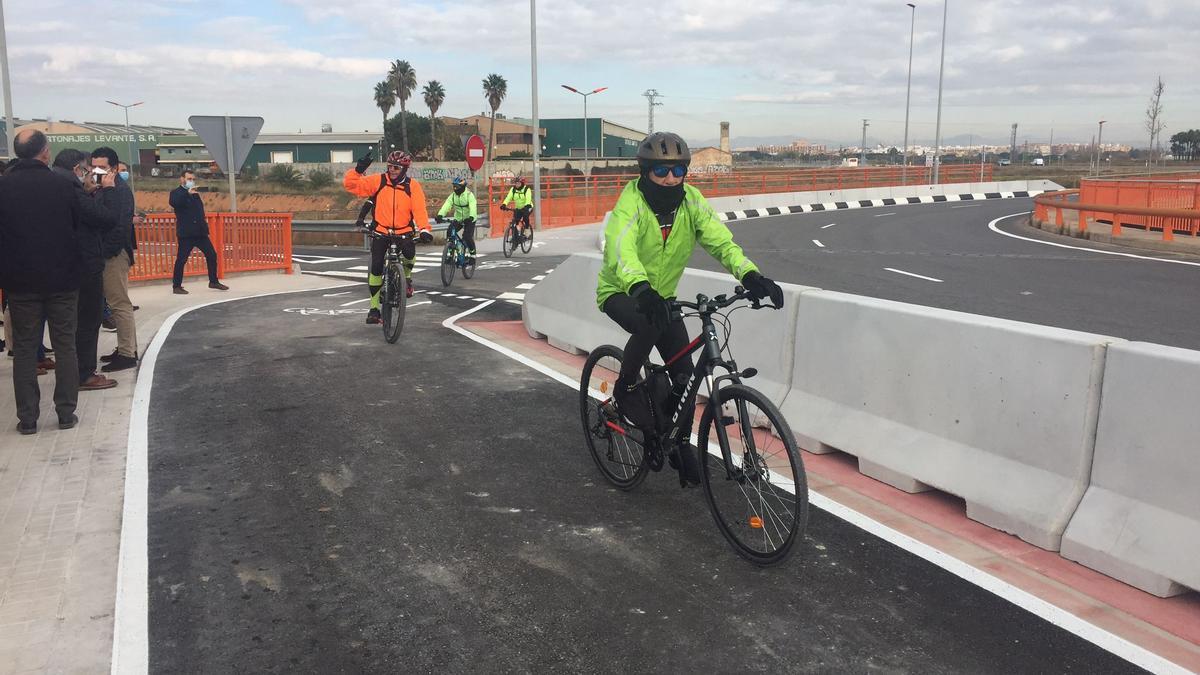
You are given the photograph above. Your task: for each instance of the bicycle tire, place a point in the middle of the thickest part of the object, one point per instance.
(768, 511)
(468, 268)
(394, 303)
(620, 457)
(509, 245)
(527, 241)
(449, 262)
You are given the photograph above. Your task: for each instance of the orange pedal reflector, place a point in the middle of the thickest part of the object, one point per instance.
(604, 387)
(756, 522)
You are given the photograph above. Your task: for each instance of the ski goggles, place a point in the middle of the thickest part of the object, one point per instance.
(677, 170)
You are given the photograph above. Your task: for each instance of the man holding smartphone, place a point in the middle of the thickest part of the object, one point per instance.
(191, 229)
(117, 249)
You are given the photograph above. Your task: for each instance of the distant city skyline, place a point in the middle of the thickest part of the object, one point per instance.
(773, 69)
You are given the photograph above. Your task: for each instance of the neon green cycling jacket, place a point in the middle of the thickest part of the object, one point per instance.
(462, 206)
(634, 249)
(519, 198)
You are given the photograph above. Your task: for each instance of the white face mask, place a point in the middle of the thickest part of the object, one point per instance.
(189, 184)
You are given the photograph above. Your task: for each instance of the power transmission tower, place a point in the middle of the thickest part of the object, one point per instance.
(651, 99)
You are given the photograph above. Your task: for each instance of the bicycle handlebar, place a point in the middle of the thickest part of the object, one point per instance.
(719, 302)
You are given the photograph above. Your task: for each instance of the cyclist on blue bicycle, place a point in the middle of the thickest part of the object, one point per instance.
(400, 210)
(521, 197)
(655, 225)
(461, 206)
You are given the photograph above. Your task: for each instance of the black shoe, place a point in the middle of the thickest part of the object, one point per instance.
(69, 422)
(107, 358)
(216, 285)
(179, 290)
(373, 316)
(683, 459)
(27, 428)
(120, 362)
(109, 324)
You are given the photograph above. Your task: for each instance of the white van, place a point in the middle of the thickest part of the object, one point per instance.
(1038, 162)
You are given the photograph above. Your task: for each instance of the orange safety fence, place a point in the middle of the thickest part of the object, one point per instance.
(245, 242)
(1167, 220)
(573, 200)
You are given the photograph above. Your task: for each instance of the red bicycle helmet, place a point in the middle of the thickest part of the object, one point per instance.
(399, 158)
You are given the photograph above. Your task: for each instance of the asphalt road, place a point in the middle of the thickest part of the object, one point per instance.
(980, 271)
(321, 501)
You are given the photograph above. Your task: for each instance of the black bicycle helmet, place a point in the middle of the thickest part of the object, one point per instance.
(663, 147)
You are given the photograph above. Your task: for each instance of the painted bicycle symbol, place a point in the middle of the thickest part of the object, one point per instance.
(497, 264)
(315, 311)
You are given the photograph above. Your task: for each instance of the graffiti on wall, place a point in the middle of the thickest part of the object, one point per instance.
(711, 168)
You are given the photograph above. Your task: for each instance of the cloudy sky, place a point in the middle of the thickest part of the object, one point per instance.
(773, 68)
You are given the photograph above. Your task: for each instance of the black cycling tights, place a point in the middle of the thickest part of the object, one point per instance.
(522, 214)
(644, 337)
(468, 234)
(379, 248)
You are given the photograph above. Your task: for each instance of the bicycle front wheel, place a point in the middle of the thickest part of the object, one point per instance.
(527, 241)
(468, 268)
(510, 241)
(760, 497)
(616, 446)
(449, 262)
(394, 303)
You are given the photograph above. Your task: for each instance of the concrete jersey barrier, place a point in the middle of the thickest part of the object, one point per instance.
(1140, 519)
(998, 412)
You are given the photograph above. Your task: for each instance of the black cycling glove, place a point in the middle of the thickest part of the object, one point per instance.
(439, 219)
(761, 287)
(651, 304)
(425, 236)
(468, 221)
(363, 162)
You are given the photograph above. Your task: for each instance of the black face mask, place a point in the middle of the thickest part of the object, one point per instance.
(661, 198)
(460, 189)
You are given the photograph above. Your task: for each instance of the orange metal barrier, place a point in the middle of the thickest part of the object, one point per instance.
(573, 200)
(1181, 191)
(245, 242)
(1167, 220)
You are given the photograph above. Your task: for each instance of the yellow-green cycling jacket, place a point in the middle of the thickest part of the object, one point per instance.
(519, 198)
(634, 249)
(461, 206)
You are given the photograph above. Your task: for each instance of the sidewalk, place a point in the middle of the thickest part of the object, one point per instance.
(61, 496)
(1130, 237)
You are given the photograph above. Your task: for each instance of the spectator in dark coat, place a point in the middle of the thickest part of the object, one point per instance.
(40, 270)
(191, 228)
(72, 165)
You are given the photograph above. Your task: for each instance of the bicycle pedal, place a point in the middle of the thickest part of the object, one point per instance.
(727, 420)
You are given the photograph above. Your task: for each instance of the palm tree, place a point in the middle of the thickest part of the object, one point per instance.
(495, 88)
(385, 98)
(404, 80)
(435, 96)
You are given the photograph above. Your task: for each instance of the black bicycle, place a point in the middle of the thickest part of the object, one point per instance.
(454, 255)
(517, 234)
(750, 468)
(393, 297)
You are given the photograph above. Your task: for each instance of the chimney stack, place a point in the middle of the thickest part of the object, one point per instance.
(724, 136)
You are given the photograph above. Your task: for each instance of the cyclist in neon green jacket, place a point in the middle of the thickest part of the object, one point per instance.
(461, 206)
(522, 205)
(655, 225)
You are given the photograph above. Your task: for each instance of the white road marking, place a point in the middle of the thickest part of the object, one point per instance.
(878, 215)
(964, 206)
(510, 296)
(540, 276)
(823, 227)
(334, 295)
(318, 259)
(423, 302)
(365, 268)
(1052, 613)
(992, 226)
(356, 302)
(818, 243)
(525, 287)
(919, 276)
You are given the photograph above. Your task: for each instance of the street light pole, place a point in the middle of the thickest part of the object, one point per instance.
(908, 93)
(937, 143)
(537, 135)
(862, 155)
(128, 134)
(1099, 146)
(10, 122)
(586, 156)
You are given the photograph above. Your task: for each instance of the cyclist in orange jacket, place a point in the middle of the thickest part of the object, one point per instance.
(400, 211)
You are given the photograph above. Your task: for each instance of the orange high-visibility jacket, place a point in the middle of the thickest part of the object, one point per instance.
(396, 209)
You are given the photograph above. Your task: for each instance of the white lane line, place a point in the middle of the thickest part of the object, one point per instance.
(823, 227)
(364, 268)
(878, 215)
(510, 296)
(317, 259)
(540, 276)
(964, 206)
(356, 302)
(131, 613)
(818, 243)
(992, 226)
(439, 292)
(525, 287)
(423, 302)
(1119, 646)
(334, 295)
(919, 276)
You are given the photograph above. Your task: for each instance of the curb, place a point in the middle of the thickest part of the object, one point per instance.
(867, 203)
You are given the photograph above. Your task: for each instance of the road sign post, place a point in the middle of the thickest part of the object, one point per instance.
(474, 152)
(228, 140)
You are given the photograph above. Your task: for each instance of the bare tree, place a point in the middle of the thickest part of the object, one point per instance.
(1154, 122)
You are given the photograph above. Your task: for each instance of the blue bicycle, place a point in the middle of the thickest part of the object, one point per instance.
(454, 255)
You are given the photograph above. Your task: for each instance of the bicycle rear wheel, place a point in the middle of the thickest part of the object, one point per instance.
(449, 262)
(510, 241)
(527, 241)
(468, 268)
(394, 303)
(762, 508)
(616, 446)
